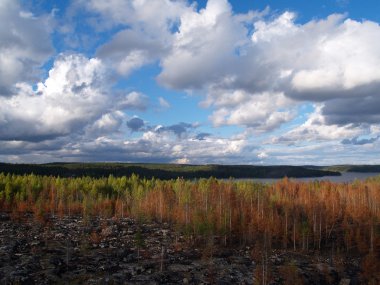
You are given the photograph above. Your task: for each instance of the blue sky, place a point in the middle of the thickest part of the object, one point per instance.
(217, 81)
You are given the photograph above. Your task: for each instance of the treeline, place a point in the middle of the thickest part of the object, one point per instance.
(353, 168)
(288, 215)
(162, 171)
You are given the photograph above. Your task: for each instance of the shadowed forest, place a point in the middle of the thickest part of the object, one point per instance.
(167, 171)
(324, 217)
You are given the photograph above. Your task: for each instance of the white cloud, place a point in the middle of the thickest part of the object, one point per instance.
(262, 112)
(279, 27)
(212, 149)
(262, 155)
(147, 34)
(196, 60)
(74, 95)
(134, 100)
(347, 58)
(153, 15)
(75, 98)
(332, 58)
(132, 61)
(163, 103)
(24, 45)
(315, 129)
(253, 70)
(183, 160)
(332, 61)
(108, 123)
(130, 49)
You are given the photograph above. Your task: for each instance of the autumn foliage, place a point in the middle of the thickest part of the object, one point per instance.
(300, 216)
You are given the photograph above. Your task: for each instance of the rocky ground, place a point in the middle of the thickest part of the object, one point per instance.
(70, 250)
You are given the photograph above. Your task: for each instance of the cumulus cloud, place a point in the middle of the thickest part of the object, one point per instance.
(162, 147)
(76, 98)
(152, 146)
(108, 123)
(129, 50)
(153, 15)
(24, 45)
(253, 70)
(134, 100)
(74, 95)
(332, 60)
(308, 61)
(196, 60)
(248, 58)
(316, 129)
(263, 112)
(216, 62)
(147, 34)
(212, 150)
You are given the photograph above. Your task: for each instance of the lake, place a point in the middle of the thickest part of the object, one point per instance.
(345, 177)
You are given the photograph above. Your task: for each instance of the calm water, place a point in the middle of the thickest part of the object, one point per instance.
(345, 177)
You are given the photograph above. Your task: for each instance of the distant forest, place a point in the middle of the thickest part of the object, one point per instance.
(164, 171)
(353, 168)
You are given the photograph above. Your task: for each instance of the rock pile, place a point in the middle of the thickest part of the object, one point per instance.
(107, 251)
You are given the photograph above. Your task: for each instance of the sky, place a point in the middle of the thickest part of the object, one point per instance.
(179, 81)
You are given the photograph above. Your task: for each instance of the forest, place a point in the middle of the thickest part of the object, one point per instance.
(316, 216)
(165, 171)
(299, 215)
(352, 168)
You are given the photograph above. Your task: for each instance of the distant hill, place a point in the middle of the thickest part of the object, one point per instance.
(164, 171)
(353, 168)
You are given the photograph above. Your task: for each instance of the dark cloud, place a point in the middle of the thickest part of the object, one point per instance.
(23, 130)
(135, 124)
(357, 141)
(125, 42)
(16, 147)
(202, 136)
(178, 129)
(360, 110)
